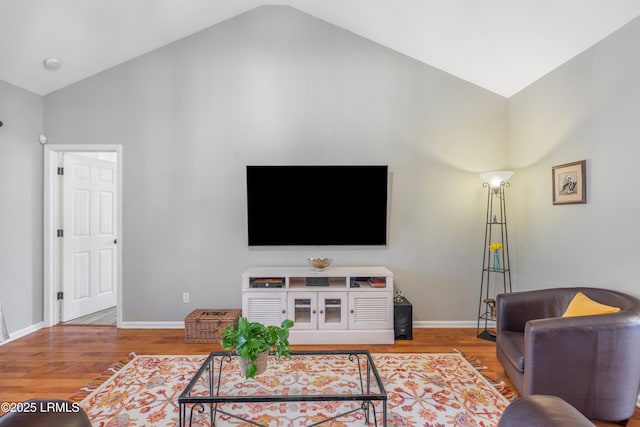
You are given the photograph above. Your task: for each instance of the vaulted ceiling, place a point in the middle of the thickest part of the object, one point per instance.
(501, 45)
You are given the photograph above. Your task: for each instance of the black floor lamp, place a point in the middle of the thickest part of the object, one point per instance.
(496, 268)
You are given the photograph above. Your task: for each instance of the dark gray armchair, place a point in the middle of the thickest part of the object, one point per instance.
(539, 410)
(592, 362)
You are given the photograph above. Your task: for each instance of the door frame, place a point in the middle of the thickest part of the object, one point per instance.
(51, 246)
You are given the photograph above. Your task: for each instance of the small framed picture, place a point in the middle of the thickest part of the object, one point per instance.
(569, 183)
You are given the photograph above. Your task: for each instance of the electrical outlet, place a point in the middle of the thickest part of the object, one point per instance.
(185, 297)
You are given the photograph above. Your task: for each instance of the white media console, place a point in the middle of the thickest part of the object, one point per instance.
(339, 305)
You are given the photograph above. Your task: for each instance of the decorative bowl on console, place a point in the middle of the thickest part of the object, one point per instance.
(319, 264)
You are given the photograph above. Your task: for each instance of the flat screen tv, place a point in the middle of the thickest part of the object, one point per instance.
(317, 205)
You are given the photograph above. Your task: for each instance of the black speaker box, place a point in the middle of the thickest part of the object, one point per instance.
(403, 319)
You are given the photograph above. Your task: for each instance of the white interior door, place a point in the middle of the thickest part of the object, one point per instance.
(89, 276)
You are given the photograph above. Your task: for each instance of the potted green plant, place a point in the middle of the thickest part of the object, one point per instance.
(252, 340)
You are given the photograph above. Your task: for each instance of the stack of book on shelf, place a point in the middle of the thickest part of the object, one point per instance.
(377, 282)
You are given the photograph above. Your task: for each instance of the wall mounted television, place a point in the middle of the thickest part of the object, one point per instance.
(317, 205)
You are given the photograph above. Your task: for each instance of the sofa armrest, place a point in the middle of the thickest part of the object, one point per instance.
(541, 410)
(517, 308)
(600, 349)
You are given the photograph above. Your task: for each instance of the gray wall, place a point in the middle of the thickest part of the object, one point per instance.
(276, 86)
(21, 207)
(589, 108)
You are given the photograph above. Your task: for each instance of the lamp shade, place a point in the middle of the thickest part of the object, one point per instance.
(495, 178)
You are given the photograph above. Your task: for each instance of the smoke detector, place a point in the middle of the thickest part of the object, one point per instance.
(52, 64)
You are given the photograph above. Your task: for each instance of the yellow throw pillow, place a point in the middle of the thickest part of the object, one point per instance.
(582, 305)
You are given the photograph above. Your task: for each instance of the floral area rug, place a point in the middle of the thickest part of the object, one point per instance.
(423, 390)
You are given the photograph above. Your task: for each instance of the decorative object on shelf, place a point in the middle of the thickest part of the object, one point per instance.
(398, 296)
(320, 264)
(569, 183)
(249, 339)
(496, 274)
(495, 247)
(492, 305)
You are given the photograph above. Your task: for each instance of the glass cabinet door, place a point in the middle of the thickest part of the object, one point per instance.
(332, 310)
(303, 309)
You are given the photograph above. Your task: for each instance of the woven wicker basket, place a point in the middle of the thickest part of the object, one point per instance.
(206, 325)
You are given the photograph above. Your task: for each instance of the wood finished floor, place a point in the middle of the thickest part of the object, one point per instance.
(58, 361)
(102, 317)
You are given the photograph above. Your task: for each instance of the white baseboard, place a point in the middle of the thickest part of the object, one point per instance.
(417, 324)
(448, 324)
(153, 325)
(23, 332)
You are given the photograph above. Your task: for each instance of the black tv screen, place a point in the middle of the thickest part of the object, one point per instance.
(317, 205)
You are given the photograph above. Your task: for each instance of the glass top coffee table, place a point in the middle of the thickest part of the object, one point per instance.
(313, 387)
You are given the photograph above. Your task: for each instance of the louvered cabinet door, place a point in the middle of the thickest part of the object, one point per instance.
(370, 310)
(268, 307)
